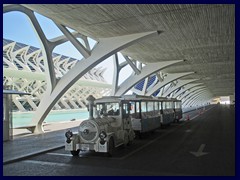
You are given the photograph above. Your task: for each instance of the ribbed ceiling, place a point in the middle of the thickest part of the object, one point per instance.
(204, 35)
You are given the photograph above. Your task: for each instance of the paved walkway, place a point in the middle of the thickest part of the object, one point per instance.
(26, 144)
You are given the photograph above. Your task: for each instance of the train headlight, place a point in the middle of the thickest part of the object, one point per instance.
(68, 134)
(102, 135)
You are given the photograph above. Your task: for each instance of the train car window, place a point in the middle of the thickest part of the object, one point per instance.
(156, 104)
(143, 107)
(164, 105)
(112, 108)
(176, 105)
(160, 105)
(150, 106)
(170, 105)
(108, 109)
(143, 110)
(135, 109)
(100, 109)
(126, 110)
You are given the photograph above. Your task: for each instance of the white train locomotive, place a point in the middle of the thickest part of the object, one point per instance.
(108, 126)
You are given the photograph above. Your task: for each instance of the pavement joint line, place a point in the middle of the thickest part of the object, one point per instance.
(20, 158)
(47, 163)
(150, 142)
(81, 156)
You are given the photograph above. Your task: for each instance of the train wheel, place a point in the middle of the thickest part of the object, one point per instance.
(75, 153)
(140, 135)
(110, 147)
(126, 140)
(130, 142)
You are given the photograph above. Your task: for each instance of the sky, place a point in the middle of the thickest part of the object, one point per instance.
(17, 27)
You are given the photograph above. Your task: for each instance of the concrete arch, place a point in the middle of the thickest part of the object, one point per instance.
(179, 84)
(200, 99)
(147, 70)
(195, 96)
(168, 79)
(185, 95)
(190, 94)
(195, 93)
(45, 44)
(185, 88)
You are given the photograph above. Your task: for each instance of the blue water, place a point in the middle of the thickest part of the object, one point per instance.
(25, 118)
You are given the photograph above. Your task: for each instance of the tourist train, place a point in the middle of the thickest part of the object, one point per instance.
(114, 121)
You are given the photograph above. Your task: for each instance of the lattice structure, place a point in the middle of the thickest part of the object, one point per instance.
(24, 70)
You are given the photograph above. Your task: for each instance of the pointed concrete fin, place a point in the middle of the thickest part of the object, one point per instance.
(198, 154)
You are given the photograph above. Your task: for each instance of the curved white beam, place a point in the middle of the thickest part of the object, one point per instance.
(147, 70)
(197, 96)
(185, 104)
(45, 44)
(168, 79)
(85, 52)
(179, 84)
(116, 71)
(202, 98)
(104, 49)
(189, 92)
(133, 66)
(185, 88)
(186, 101)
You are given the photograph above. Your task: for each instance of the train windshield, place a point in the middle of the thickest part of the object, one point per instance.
(108, 109)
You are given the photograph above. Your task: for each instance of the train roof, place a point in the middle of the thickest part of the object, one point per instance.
(142, 98)
(175, 99)
(108, 99)
(132, 98)
(136, 97)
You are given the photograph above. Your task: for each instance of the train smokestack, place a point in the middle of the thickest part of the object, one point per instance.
(90, 100)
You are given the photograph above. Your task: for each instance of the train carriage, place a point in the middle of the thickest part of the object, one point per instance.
(145, 114)
(167, 111)
(177, 107)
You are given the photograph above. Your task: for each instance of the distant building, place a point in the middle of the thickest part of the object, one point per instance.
(23, 70)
